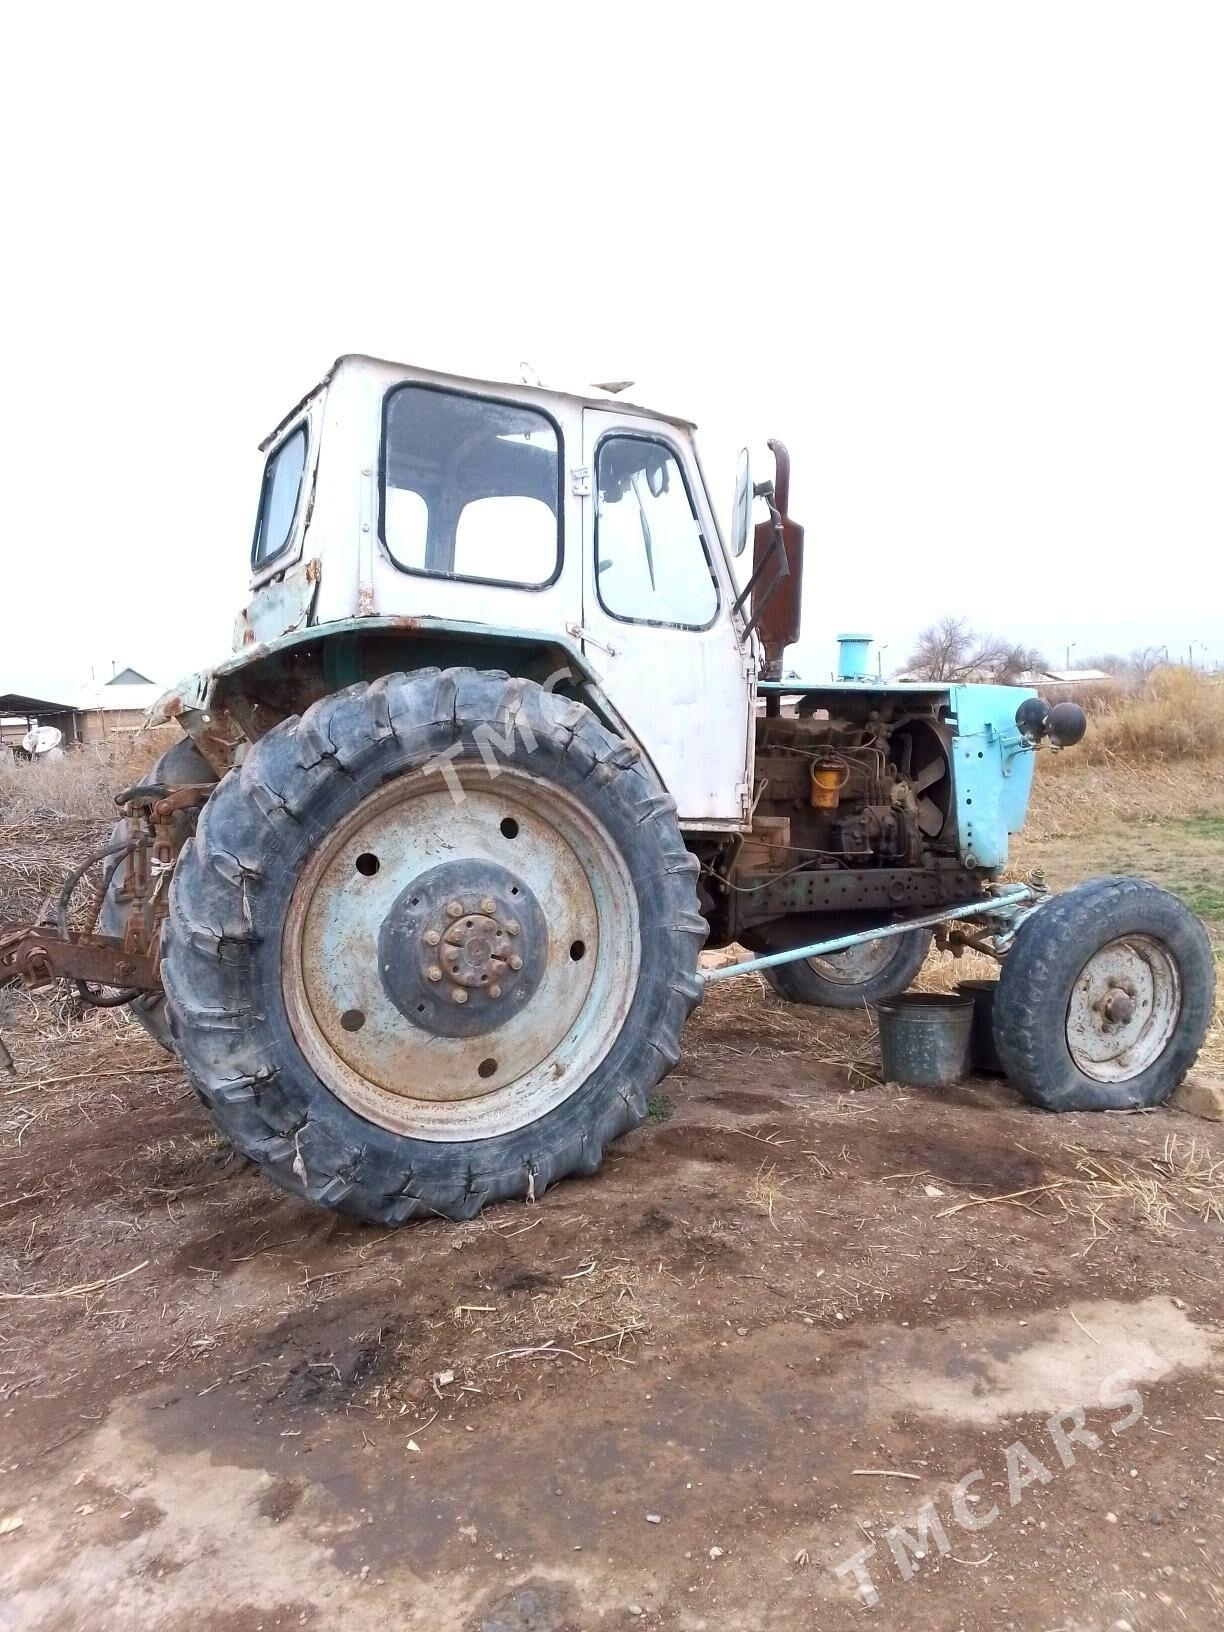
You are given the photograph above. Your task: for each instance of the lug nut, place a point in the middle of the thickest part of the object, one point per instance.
(434, 972)
(494, 991)
(454, 909)
(516, 962)
(488, 905)
(511, 926)
(432, 937)
(459, 995)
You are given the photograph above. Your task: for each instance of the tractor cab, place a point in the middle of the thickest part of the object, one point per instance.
(513, 515)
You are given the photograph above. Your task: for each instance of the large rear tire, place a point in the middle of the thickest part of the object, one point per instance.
(1105, 998)
(432, 946)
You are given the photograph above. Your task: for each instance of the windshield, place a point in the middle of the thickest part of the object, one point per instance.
(278, 498)
(471, 488)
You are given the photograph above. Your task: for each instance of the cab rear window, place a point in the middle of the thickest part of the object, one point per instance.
(471, 487)
(278, 498)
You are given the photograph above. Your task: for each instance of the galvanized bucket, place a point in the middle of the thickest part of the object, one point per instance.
(924, 1038)
(982, 1050)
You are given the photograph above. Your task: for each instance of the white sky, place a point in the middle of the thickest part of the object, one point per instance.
(967, 260)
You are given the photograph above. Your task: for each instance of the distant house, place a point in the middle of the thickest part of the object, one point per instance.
(1046, 680)
(90, 714)
(118, 706)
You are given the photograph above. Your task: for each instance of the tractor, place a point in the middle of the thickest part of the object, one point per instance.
(419, 897)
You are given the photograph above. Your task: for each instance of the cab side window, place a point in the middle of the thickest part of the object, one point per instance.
(278, 498)
(651, 563)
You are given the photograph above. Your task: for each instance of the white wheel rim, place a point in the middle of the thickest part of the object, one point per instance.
(857, 964)
(544, 1038)
(1124, 1009)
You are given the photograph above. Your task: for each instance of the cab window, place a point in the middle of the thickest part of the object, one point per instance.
(278, 497)
(651, 562)
(471, 488)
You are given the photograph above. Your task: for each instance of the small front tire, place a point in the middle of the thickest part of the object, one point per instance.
(1105, 998)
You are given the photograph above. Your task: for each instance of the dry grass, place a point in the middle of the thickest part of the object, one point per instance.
(745, 1019)
(1186, 1181)
(53, 812)
(83, 783)
(1176, 715)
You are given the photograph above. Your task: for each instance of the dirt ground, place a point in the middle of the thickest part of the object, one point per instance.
(793, 1310)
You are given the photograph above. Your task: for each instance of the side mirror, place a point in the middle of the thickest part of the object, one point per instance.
(741, 510)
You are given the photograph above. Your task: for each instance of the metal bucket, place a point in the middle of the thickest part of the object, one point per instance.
(924, 1038)
(982, 1050)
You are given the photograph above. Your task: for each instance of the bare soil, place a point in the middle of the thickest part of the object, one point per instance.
(677, 1395)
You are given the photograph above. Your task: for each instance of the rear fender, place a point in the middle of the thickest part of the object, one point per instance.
(237, 701)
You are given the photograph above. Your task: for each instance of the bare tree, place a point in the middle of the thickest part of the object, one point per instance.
(950, 651)
(942, 650)
(1134, 670)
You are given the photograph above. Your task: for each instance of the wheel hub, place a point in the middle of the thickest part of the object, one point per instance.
(389, 989)
(1117, 1006)
(462, 947)
(1123, 1009)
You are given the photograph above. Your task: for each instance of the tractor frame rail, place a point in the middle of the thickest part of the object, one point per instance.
(1011, 905)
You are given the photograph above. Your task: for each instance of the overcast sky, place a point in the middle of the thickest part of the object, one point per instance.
(967, 260)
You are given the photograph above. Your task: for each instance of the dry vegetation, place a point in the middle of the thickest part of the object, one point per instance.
(83, 783)
(53, 812)
(1171, 716)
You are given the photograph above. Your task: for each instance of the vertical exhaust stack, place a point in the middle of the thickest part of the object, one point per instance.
(779, 617)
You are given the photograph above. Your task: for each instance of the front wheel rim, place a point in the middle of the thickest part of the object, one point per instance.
(1124, 1008)
(456, 968)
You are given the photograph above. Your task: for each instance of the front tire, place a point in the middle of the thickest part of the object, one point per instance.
(1105, 998)
(402, 1001)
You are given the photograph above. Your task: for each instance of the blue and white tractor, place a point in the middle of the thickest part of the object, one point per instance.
(504, 742)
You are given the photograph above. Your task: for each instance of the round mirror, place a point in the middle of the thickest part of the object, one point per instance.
(741, 511)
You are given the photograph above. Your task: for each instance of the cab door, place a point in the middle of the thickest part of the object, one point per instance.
(657, 622)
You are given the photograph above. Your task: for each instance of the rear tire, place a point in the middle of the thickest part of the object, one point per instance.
(331, 870)
(1105, 998)
(848, 980)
